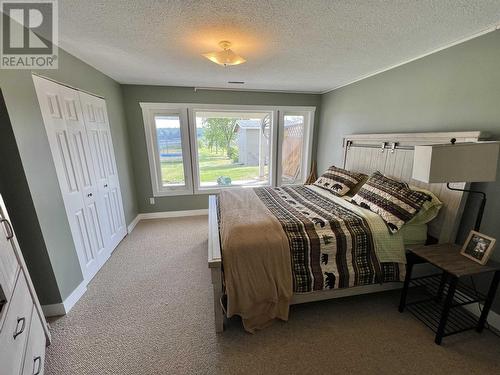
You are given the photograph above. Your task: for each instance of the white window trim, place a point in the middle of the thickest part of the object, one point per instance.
(149, 112)
(189, 142)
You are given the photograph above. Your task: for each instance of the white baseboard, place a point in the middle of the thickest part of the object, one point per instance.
(132, 225)
(165, 215)
(493, 317)
(168, 214)
(65, 307)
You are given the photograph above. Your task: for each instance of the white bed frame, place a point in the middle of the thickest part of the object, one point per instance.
(391, 154)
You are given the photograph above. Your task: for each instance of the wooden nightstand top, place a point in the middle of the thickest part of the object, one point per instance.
(448, 258)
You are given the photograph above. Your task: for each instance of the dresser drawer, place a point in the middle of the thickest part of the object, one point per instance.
(15, 329)
(35, 349)
(8, 261)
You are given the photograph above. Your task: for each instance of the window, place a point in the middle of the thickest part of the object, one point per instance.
(295, 141)
(194, 148)
(167, 141)
(232, 148)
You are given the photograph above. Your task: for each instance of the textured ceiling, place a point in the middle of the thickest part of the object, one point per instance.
(293, 45)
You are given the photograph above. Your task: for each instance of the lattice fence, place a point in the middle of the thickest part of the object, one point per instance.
(292, 151)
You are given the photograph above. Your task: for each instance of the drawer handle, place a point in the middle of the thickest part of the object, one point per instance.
(39, 367)
(20, 330)
(8, 229)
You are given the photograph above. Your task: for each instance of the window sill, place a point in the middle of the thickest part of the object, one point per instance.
(214, 190)
(172, 193)
(203, 191)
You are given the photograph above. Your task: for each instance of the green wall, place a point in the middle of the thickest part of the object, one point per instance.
(40, 175)
(456, 89)
(17, 197)
(134, 94)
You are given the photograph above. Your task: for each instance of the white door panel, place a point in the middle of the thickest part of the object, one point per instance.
(97, 251)
(96, 220)
(68, 139)
(67, 163)
(84, 232)
(96, 121)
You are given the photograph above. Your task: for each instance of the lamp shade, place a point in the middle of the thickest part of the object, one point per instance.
(459, 162)
(226, 56)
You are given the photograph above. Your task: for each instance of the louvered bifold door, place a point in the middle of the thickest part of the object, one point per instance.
(67, 135)
(97, 123)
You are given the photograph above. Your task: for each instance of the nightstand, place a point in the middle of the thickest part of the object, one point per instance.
(445, 294)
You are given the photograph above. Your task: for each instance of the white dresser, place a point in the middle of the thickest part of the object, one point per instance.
(23, 330)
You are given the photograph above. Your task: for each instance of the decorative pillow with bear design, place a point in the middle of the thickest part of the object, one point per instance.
(392, 200)
(339, 181)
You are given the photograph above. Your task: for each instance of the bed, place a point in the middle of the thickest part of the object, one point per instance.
(326, 245)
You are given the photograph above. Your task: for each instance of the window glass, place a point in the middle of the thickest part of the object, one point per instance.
(292, 149)
(233, 148)
(169, 145)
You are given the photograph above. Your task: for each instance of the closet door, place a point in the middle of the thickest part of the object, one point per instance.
(97, 123)
(63, 119)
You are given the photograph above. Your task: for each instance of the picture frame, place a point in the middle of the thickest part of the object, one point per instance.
(478, 247)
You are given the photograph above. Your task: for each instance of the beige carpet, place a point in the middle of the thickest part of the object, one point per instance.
(149, 311)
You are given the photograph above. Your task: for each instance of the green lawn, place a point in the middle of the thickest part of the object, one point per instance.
(212, 166)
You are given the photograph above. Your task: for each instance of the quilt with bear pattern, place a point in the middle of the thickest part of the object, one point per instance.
(331, 244)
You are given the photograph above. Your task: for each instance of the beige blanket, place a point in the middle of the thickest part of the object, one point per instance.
(256, 260)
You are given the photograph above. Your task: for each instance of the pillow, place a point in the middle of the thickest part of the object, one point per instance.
(392, 200)
(414, 234)
(339, 181)
(430, 209)
(351, 193)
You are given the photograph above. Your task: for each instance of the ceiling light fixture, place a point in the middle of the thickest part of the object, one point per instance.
(226, 56)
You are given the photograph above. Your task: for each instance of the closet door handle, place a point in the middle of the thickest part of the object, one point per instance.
(89, 195)
(39, 367)
(8, 229)
(105, 185)
(18, 330)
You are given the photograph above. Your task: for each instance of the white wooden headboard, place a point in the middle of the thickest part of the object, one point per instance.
(392, 155)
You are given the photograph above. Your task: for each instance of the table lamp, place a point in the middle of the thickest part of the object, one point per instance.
(457, 162)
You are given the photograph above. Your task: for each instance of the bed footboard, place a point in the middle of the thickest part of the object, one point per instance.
(215, 261)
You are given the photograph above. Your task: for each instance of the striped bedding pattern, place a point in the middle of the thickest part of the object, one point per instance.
(331, 246)
(393, 200)
(339, 181)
